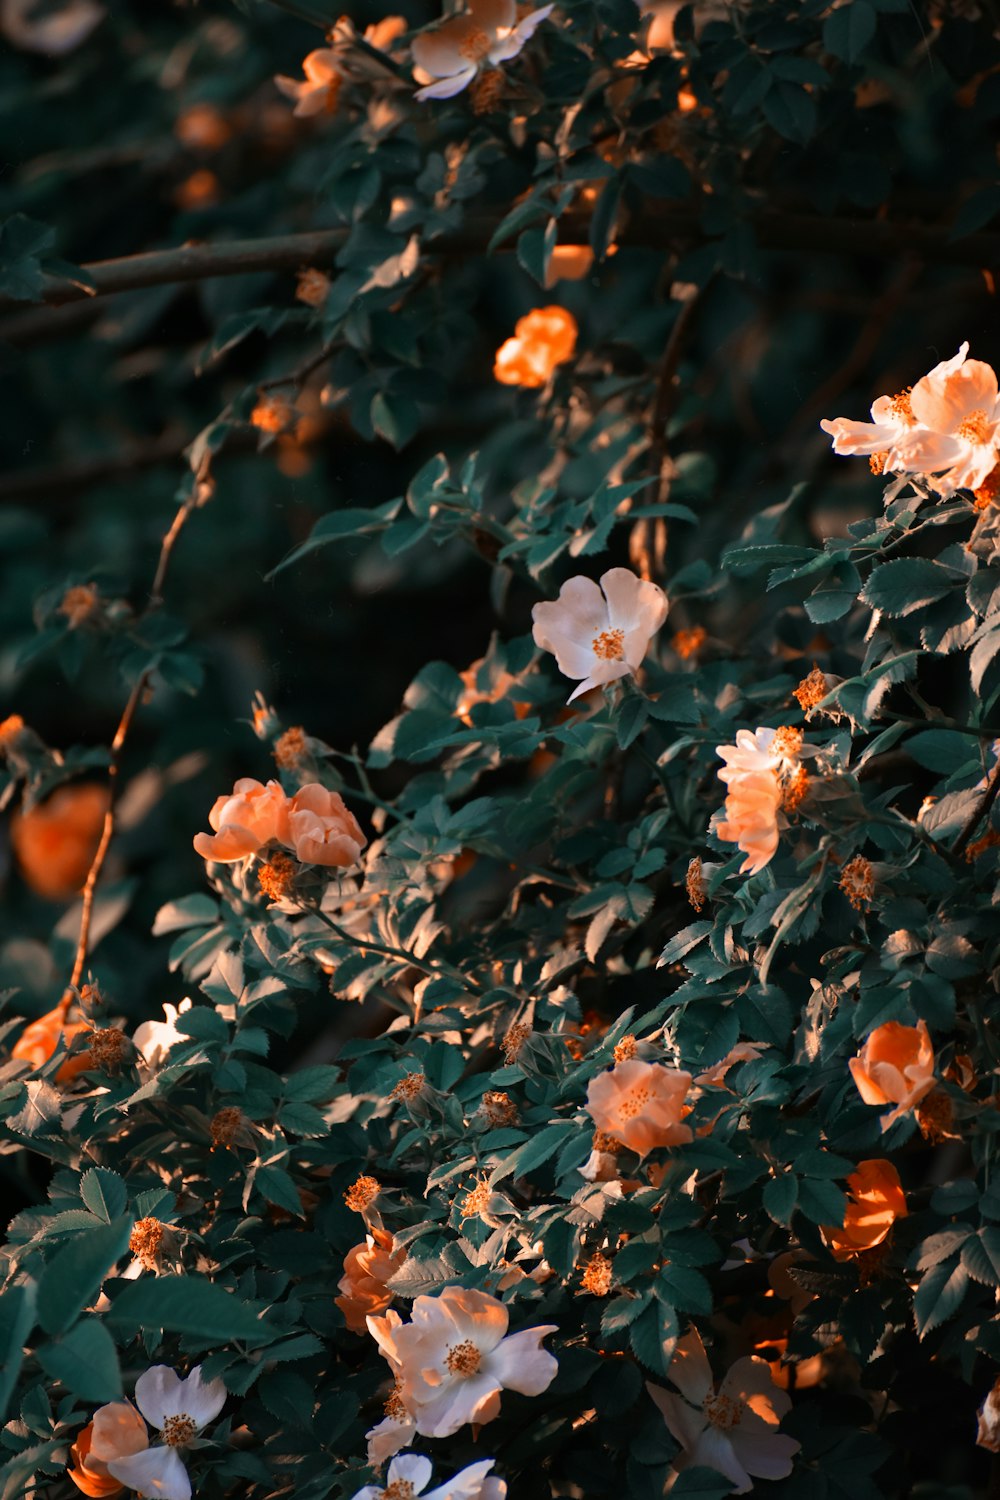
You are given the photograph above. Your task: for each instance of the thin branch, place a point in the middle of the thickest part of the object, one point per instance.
(982, 810)
(117, 745)
(673, 224)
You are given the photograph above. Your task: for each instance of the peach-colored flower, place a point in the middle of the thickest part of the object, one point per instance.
(321, 830)
(641, 1104)
(946, 427)
(732, 1430)
(53, 30)
(117, 1431)
(250, 817)
(178, 1409)
(957, 411)
(55, 840)
(363, 1289)
(895, 1066)
(382, 34)
(875, 1201)
(600, 633)
(568, 263)
(455, 1358)
(542, 339)
(319, 92)
(486, 33)
(39, 1040)
(751, 821)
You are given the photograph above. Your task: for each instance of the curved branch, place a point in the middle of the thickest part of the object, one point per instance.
(670, 224)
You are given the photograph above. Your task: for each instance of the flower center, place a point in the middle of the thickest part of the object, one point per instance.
(476, 45)
(989, 489)
(609, 645)
(787, 741)
(463, 1359)
(723, 1411)
(635, 1102)
(178, 1430)
(399, 1489)
(975, 428)
(901, 408)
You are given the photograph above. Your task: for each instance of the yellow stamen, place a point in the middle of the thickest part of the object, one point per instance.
(609, 645)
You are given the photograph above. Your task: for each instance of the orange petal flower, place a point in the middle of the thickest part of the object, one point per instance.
(895, 1066)
(55, 841)
(641, 1104)
(543, 339)
(367, 1268)
(250, 817)
(321, 830)
(876, 1201)
(39, 1040)
(89, 1474)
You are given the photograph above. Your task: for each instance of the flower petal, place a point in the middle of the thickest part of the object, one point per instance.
(412, 1469)
(118, 1431)
(202, 1400)
(157, 1395)
(156, 1474)
(521, 1364)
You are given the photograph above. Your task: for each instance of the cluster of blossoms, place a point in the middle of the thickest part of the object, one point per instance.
(946, 429)
(314, 824)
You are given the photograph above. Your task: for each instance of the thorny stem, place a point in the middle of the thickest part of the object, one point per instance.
(117, 744)
(432, 970)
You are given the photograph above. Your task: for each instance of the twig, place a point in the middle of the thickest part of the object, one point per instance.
(117, 744)
(882, 239)
(981, 811)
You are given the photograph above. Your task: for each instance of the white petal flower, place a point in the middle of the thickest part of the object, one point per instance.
(487, 33)
(178, 1409)
(732, 1430)
(600, 633)
(155, 1472)
(154, 1039)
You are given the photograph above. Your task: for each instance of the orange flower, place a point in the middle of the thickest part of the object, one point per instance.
(641, 1104)
(203, 127)
(876, 1201)
(363, 1289)
(895, 1066)
(250, 817)
(55, 841)
(90, 1474)
(568, 263)
(200, 190)
(39, 1040)
(543, 339)
(322, 830)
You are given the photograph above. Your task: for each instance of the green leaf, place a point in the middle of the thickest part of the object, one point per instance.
(534, 1152)
(683, 942)
(847, 31)
(781, 1196)
(104, 1193)
(981, 1256)
(187, 1304)
(76, 1273)
(653, 1337)
(189, 911)
(907, 584)
(17, 1316)
(939, 1296)
(943, 750)
(339, 526)
(86, 1361)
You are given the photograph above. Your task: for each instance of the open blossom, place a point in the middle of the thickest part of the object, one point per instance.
(178, 1409)
(542, 339)
(252, 816)
(875, 1201)
(39, 1040)
(988, 1434)
(362, 1287)
(641, 1104)
(409, 1476)
(321, 830)
(895, 1066)
(318, 93)
(600, 633)
(483, 35)
(455, 1357)
(946, 427)
(733, 1430)
(154, 1039)
(118, 1431)
(759, 771)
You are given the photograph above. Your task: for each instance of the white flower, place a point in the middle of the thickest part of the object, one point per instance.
(957, 409)
(410, 1475)
(178, 1409)
(154, 1039)
(454, 1358)
(732, 1430)
(485, 34)
(600, 636)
